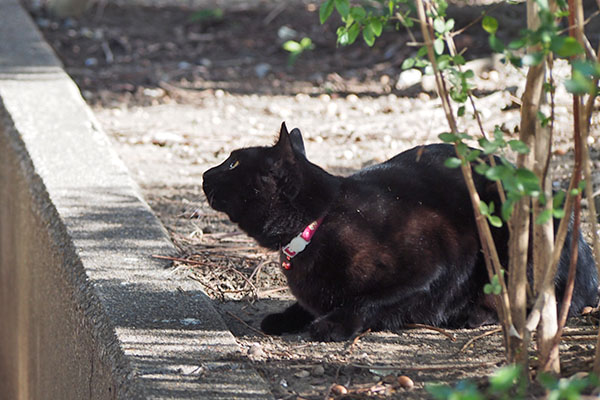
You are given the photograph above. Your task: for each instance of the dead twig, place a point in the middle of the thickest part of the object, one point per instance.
(351, 345)
(428, 367)
(433, 328)
(178, 259)
(271, 291)
(476, 338)
(588, 338)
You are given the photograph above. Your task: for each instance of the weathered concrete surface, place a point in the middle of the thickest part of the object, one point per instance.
(85, 312)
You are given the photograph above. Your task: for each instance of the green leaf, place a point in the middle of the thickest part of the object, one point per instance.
(357, 13)
(408, 63)
(496, 172)
(449, 25)
(579, 85)
(326, 10)
(505, 378)
(459, 60)
(448, 137)
(422, 52)
(487, 289)
(353, 33)
(496, 44)
(517, 62)
(544, 120)
(472, 155)
(565, 46)
(439, 391)
(343, 7)
(483, 208)
(442, 6)
(517, 44)
(292, 46)
(368, 35)
(581, 82)
(438, 46)
(462, 149)
(488, 146)
(495, 221)
(343, 37)
(482, 168)
(452, 162)
(461, 111)
(587, 68)
(377, 27)
(489, 24)
(526, 175)
(439, 26)
(518, 146)
(306, 43)
(444, 61)
(558, 199)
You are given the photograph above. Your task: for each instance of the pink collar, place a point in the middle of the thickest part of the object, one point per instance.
(299, 243)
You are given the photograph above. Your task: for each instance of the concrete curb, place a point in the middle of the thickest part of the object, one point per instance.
(85, 312)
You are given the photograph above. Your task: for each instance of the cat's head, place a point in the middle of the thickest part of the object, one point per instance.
(255, 186)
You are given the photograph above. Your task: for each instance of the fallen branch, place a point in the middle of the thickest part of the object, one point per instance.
(474, 339)
(356, 339)
(433, 328)
(427, 368)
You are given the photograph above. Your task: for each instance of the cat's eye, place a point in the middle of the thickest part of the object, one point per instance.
(234, 164)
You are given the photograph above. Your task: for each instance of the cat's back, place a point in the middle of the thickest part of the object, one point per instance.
(420, 160)
(414, 181)
(420, 169)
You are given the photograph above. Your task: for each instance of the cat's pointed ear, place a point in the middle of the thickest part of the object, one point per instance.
(290, 141)
(284, 144)
(284, 136)
(297, 142)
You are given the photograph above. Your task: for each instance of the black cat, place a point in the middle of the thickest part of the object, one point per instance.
(393, 244)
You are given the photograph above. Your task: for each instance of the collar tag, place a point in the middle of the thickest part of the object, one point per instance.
(299, 243)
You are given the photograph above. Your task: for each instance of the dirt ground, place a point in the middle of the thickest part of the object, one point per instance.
(178, 87)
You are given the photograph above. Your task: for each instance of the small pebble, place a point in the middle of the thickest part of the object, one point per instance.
(91, 62)
(256, 351)
(302, 374)
(318, 370)
(261, 70)
(339, 389)
(406, 382)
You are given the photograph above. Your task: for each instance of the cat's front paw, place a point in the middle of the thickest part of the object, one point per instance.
(325, 330)
(293, 319)
(274, 324)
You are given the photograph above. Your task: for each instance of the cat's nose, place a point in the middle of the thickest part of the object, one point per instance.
(208, 174)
